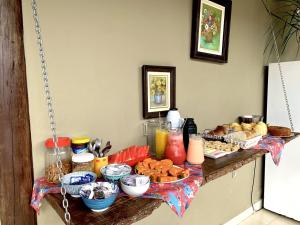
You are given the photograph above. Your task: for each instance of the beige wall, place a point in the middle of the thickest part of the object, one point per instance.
(95, 50)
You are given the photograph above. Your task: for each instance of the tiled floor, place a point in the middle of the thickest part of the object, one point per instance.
(265, 217)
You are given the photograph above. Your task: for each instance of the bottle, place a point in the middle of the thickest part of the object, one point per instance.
(189, 128)
(175, 148)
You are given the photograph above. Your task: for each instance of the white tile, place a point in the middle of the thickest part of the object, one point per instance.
(284, 221)
(265, 217)
(262, 217)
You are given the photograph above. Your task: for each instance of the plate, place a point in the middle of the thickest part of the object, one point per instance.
(175, 181)
(292, 135)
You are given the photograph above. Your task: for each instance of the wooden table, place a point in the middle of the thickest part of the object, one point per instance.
(130, 210)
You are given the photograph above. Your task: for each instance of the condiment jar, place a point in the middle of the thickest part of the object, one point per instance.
(51, 170)
(83, 162)
(175, 148)
(189, 127)
(195, 154)
(80, 145)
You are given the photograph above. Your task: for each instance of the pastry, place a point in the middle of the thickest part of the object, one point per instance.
(160, 171)
(246, 126)
(236, 127)
(219, 131)
(261, 128)
(250, 134)
(279, 131)
(217, 145)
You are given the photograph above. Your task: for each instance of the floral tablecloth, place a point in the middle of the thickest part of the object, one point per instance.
(274, 145)
(178, 195)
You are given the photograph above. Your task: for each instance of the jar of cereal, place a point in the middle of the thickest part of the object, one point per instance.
(83, 162)
(51, 170)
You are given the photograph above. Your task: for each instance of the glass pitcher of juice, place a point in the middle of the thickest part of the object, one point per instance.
(156, 131)
(195, 153)
(161, 140)
(175, 148)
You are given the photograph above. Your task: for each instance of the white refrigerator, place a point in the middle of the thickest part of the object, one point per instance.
(282, 183)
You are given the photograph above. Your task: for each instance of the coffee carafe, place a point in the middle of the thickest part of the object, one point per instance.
(189, 127)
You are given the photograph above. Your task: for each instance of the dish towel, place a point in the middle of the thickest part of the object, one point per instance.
(274, 145)
(178, 195)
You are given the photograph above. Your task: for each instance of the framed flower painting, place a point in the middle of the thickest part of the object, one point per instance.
(210, 30)
(158, 90)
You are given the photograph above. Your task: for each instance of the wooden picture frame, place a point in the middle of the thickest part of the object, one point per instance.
(159, 90)
(210, 30)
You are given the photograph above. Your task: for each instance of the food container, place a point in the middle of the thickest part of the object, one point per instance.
(73, 182)
(51, 170)
(99, 196)
(211, 137)
(83, 162)
(114, 172)
(237, 138)
(80, 145)
(250, 118)
(99, 163)
(135, 185)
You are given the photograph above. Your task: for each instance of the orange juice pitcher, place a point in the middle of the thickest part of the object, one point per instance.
(161, 140)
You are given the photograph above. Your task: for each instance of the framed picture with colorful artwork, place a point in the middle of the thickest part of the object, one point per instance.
(210, 30)
(159, 86)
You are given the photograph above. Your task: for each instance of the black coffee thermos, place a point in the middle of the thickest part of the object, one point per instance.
(189, 127)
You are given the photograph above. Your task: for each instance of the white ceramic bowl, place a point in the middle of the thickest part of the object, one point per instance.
(135, 191)
(73, 190)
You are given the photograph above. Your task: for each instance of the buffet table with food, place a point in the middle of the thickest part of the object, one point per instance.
(126, 186)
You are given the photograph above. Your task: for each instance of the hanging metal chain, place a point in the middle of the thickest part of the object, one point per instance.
(50, 109)
(283, 84)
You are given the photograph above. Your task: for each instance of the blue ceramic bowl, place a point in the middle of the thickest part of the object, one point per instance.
(115, 178)
(73, 190)
(100, 205)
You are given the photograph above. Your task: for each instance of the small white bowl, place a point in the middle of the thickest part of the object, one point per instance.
(135, 191)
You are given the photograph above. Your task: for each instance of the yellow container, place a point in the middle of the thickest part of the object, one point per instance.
(99, 163)
(161, 140)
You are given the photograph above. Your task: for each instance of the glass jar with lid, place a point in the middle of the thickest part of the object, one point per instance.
(80, 144)
(51, 170)
(83, 162)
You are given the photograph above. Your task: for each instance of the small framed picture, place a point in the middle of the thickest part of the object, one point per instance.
(159, 84)
(210, 30)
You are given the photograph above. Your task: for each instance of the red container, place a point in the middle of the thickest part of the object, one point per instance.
(175, 148)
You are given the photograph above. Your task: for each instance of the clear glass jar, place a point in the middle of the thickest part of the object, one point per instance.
(51, 170)
(83, 162)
